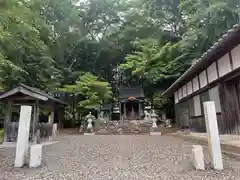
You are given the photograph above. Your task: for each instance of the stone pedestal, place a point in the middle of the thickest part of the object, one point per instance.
(198, 157)
(213, 135)
(23, 136)
(35, 156)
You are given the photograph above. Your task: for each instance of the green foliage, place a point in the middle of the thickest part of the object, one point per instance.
(91, 90)
(24, 55)
(159, 101)
(49, 43)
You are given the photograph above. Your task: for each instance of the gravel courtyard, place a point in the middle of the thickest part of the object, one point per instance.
(117, 158)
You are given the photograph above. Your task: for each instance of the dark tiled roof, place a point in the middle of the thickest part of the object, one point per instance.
(126, 92)
(36, 90)
(221, 44)
(30, 91)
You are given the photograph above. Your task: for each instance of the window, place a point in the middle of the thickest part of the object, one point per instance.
(214, 96)
(197, 105)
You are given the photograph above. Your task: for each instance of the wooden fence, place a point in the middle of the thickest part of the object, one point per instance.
(45, 130)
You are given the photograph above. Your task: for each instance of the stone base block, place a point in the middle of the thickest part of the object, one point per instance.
(155, 133)
(198, 157)
(89, 134)
(35, 156)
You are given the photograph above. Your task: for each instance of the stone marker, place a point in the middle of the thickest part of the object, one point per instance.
(23, 136)
(155, 133)
(198, 157)
(35, 156)
(213, 135)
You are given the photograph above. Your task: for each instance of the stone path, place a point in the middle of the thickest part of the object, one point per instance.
(140, 157)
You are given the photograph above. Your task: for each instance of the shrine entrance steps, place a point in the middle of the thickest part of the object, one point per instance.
(127, 127)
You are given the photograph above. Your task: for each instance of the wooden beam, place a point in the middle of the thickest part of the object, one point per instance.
(231, 61)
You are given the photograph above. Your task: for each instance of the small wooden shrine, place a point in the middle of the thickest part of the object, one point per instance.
(131, 100)
(26, 95)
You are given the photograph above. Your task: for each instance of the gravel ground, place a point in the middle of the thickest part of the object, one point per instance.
(116, 158)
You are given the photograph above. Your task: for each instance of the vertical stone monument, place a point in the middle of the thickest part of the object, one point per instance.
(23, 136)
(213, 135)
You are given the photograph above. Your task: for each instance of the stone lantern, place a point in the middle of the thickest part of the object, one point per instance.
(154, 119)
(154, 124)
(89, 119)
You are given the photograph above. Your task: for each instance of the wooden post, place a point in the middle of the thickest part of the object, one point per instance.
(8, 117)
(35, 120)
(139, 111)
(120, 110)
(124, 110)
(51, 117)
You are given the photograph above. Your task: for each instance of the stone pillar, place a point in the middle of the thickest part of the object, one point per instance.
(23, 136)
(213, 135)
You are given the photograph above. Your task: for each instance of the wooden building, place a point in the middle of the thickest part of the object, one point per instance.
(131, 100)
(215, 76)
(26, 95)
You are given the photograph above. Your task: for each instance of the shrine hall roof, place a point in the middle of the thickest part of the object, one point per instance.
(126, 92)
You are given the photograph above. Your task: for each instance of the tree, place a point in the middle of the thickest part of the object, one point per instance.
(50, 43)
(91, 93)
(24, 55)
